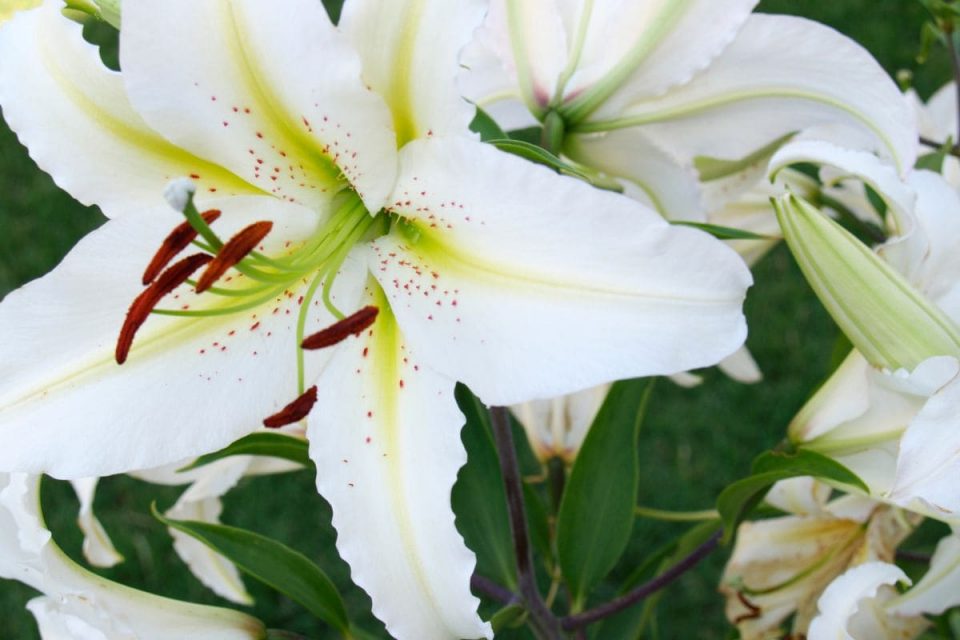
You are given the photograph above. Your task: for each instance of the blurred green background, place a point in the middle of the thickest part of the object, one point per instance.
(695, 441)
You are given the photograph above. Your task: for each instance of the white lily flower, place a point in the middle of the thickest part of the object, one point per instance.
(339, 155)
(781, 566)
(888, 412)
(853, 606)
(665, 100)
(98, 549)
(79, 604)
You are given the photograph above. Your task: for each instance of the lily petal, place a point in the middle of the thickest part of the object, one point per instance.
(80, 604)
(270, 90)
(939, 589)
(98, 549)
(651, 174)
(518, 260)
(386, 462)
(778, 77)
(107, 155)
(227, 372)
(410, 52)
(848, 607)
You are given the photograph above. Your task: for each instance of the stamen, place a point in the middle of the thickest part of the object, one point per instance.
(293, 412)
(351, 325)
(140, 310)
(235, 250)
(182, 235)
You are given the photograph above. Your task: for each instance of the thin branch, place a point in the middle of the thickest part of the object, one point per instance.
(487, 587)
(954, 150)
(633, 597)
(545, 624)
(913, 556)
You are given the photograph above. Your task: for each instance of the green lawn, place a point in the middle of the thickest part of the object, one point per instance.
(694, 441)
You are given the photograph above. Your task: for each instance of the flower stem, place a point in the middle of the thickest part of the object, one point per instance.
(633, 597)
(544, 624)
(487, 587)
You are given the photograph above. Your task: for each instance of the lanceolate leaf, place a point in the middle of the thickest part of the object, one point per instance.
(722, 233)
(486, 127)
(274, 445)
(738, 499)
(272, 563)
(479, 499)
(596, 513)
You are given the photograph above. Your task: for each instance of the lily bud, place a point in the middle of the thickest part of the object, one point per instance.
(891, 323)
(557, 427)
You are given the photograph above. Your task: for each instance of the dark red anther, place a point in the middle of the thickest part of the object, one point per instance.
(293, 412)
(351, 325)
(140, 310)
(173, 244)
(235, 250)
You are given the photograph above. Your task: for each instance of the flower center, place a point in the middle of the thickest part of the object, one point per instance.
(313, 263)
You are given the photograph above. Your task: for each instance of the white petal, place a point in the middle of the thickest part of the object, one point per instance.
(410, 52)
(385, 437)
(939, 589)
(74, 116)
(779, 76)
(846, 163)
(842, 607)
(647, 47)
(83, 605)
(929, 458)
(518, 272)
(800, 496)
(652, 175)
(98, 549)
(190, 386)
(942, 112)
(310, 117)
(741, 366)
(211, 568)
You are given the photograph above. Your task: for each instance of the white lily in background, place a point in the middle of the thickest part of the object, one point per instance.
(937, 122)
(334, 175)
(79, 604)
(664, 100)
(556, 427)
(781, 566)
(889, 412)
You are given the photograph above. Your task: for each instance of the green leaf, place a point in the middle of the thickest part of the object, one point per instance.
(274, 445)
(596, 512)
(479, 497)
(739, 499)
(272, 563)
(486, 126)
(533, 153)
(722, 233)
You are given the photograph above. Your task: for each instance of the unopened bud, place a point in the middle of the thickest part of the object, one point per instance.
(891, 323)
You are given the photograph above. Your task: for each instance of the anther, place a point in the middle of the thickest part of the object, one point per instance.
(351, 325)
(140, 310)
(235, 250)
(293, 412)
(174, 243)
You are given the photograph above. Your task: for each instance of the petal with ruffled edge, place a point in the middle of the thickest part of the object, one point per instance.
(98, 549)
(778, 76)
(851, 607)
(73, 115)
(270, 90)
(387, 457)
(635, 50)
(521, 266)
(190, 386)
(650, 174)
(410, 52)
(85, 605)
(939, 589)
(929, 458)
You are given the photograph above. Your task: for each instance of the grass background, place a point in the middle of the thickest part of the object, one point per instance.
(695, 441)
